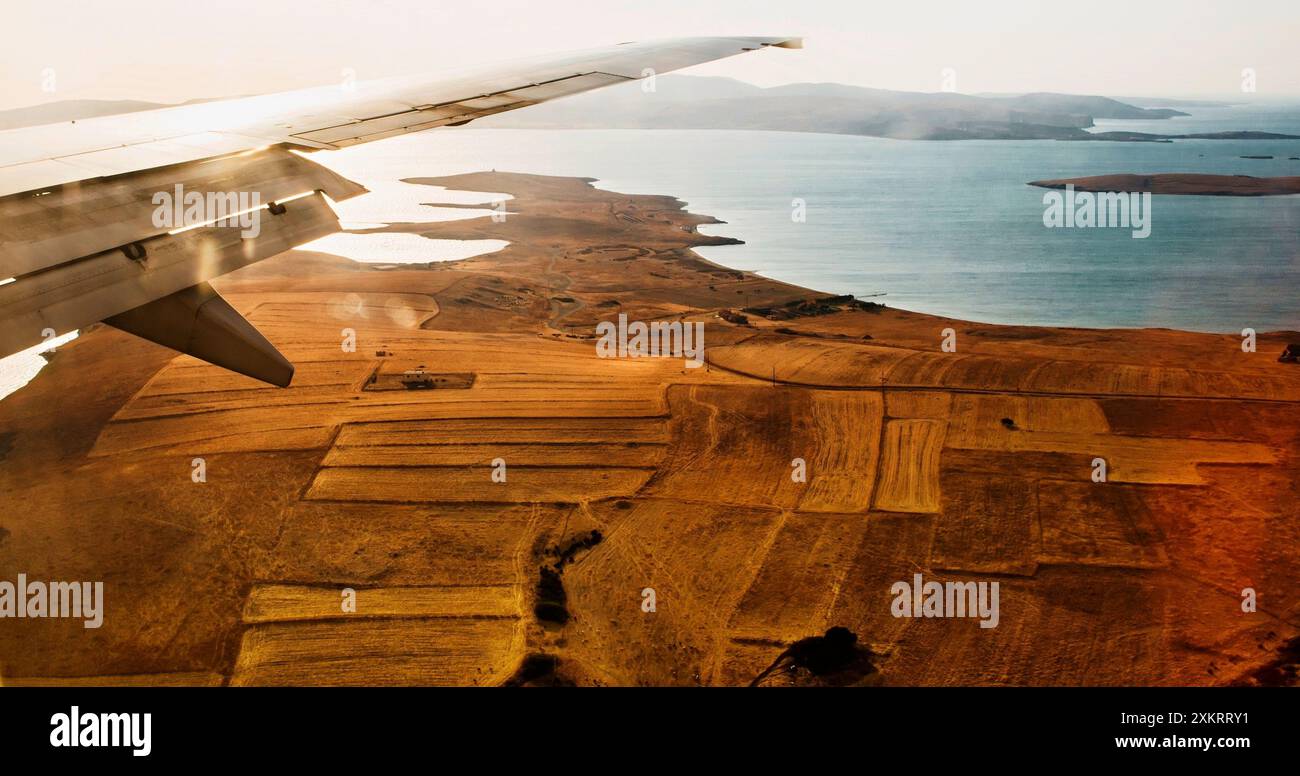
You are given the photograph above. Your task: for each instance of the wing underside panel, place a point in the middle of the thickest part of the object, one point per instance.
(72, 295)
(83, 219)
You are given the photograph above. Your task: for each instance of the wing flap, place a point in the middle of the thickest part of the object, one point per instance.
(75, 294)
(39, 232)
(198, 321)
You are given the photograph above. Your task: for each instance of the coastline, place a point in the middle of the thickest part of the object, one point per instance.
(685, 472)
(884, 223)
(1186, 184)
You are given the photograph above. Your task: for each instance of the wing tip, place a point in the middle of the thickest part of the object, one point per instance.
(787, 43)
(199, 322)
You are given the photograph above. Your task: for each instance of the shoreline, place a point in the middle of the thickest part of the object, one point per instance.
(941, 274)
(1180, 184)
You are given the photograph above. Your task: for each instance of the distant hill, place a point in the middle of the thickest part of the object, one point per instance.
(1096, 107)
(693, 102)
(1167, 102)
(1181, 183)
(76, 110)
(69, 110)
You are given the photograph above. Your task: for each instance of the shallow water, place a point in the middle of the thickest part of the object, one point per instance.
(400, 247)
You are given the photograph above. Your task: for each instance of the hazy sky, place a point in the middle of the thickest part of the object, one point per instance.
(169, 51)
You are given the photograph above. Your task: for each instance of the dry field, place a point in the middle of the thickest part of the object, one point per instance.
(778, 491)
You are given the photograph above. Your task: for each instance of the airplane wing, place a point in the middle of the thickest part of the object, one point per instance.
(124, 219)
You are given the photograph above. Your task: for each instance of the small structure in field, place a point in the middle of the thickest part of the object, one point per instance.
(417, 378)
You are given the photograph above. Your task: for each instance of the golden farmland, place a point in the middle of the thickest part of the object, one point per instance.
(973, 465)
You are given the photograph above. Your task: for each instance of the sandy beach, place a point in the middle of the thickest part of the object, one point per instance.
(622, 475)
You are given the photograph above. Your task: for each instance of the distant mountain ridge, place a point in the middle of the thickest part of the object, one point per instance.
(699, 102)
(694, 102)
(77, 110)
(69, 110)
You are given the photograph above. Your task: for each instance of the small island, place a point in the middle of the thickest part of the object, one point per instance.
(1181, 183)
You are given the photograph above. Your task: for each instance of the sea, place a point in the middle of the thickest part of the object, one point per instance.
(949, 228)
